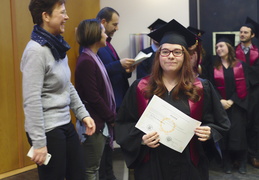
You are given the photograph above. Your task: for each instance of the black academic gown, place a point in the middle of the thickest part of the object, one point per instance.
(252, 60)
(163, 163)
(235, 139)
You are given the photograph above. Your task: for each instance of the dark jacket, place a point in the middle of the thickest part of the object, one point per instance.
(90, 86)
(117, 74)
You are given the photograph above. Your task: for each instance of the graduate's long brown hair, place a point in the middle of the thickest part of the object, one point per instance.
(185, 85)
(231, 57)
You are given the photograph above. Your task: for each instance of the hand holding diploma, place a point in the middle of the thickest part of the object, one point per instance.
(175, 129)
(203, 132)
(151, 139)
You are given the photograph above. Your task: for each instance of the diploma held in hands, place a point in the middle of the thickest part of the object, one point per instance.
(175, 128)
(141, 57)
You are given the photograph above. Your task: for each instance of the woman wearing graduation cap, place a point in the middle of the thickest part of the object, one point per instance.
(197, 53)
(229, 77)
(173, 80)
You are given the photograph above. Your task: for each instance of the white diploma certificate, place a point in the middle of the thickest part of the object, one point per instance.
(175, 128)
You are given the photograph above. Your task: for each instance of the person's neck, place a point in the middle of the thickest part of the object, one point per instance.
(170, 81)
(246, 44)
(94, 48)
(109, 39)
(225, 62)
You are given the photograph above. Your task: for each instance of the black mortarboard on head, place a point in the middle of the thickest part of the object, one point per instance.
(174, 33)
(196, 31)
(157, 24)
(253, 25)
(228, 38)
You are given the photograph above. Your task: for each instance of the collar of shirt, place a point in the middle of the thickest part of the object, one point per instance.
(108, 42)
(245, 49)
(154, 47)
(109, 39)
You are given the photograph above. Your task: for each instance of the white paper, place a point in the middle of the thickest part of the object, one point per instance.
(175, 128)
(141, 57)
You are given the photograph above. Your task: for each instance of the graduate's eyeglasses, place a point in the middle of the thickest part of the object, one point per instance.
(167, 52)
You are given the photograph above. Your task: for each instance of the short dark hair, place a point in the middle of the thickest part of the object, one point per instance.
(37, 7)
(88, 32)
(106, 13)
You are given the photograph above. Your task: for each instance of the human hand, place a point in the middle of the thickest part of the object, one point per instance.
(126, 62)
(225, 103)
(90, 125)
(130, 69)
(151, 140)
(230, 102)
(39, 155)
(203, 132)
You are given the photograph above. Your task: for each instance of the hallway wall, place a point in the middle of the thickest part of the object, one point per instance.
(137, 15)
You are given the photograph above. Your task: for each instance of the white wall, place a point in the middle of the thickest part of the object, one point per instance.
(137, 15)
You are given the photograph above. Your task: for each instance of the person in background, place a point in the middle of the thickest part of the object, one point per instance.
(229, 76)
(48, 95)
(144, 68)
(247, 52)
(119, 70)
(197, 53)
(172, 79)
(95, 90)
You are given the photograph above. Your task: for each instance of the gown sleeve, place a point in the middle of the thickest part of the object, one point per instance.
(214, 114)
(127, 135)
(253, 73)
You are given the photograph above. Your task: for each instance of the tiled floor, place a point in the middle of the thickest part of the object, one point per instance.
(122, 173)
(216, 173)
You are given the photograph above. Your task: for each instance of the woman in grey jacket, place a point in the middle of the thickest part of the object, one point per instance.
(49, 95)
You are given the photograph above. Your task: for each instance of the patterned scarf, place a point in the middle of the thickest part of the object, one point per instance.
(57, 44)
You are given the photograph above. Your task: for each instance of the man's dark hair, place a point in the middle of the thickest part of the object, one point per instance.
(37, 7)
(106, 13)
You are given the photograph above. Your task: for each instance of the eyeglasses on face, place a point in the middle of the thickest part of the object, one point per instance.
(167, 52)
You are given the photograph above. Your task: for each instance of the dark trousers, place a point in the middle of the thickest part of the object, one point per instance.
(66, 161)
(106, 166)
(93, 148)
(231, 156)
(253, 125)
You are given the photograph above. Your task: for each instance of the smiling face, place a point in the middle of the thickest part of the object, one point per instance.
(222, 50)
(171, 63)
(245, 34)
(55, 23)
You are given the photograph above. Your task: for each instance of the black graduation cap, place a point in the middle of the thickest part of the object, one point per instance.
(196, 31)
(228, 38)
(174, 33)
(253, 25)
(157, 24)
